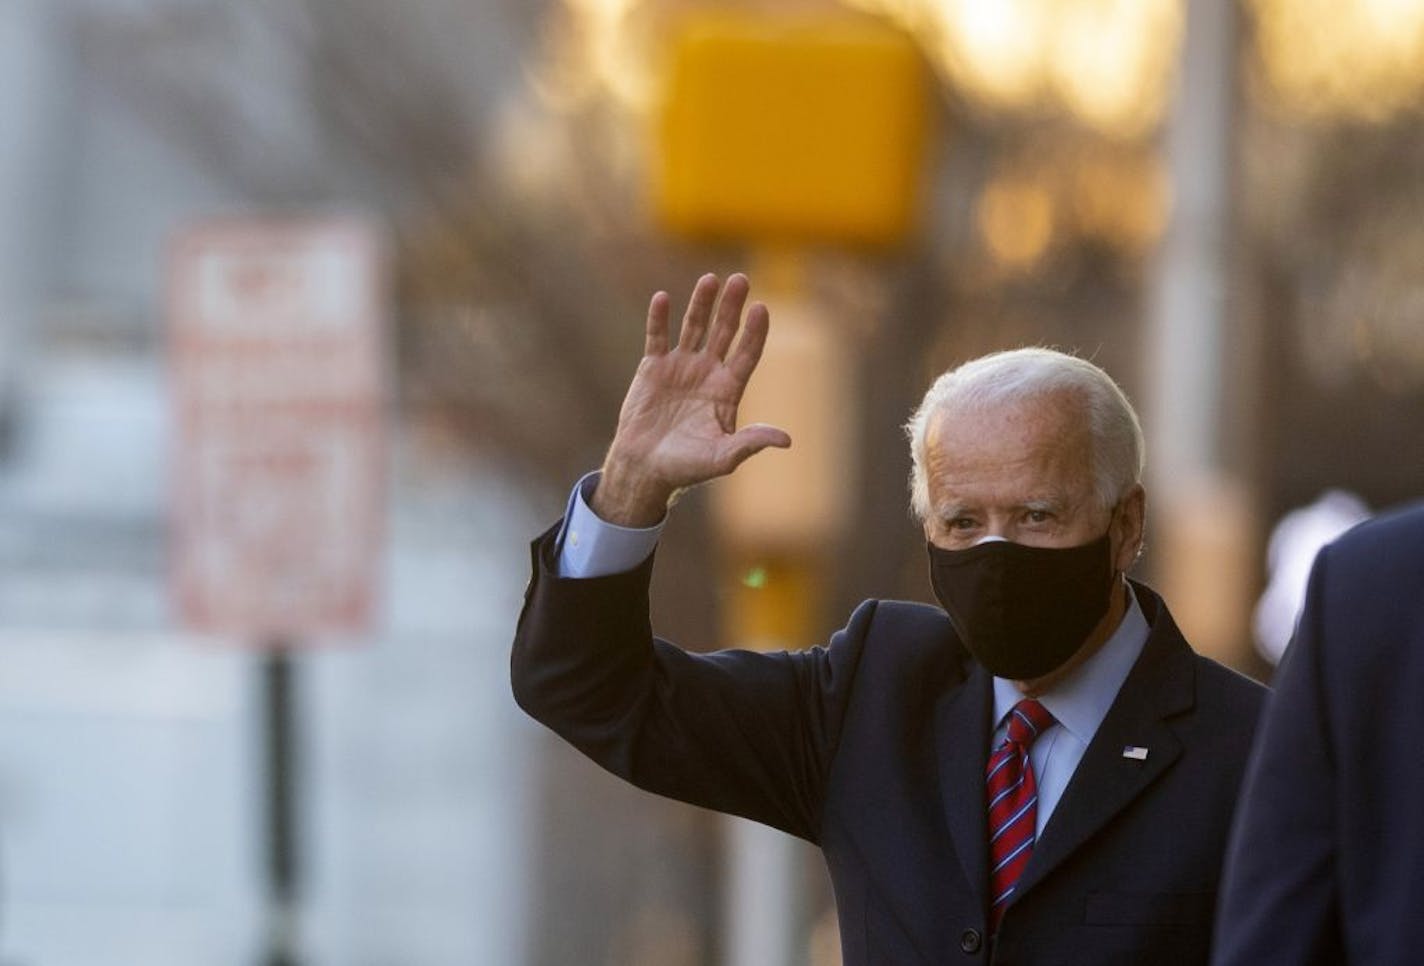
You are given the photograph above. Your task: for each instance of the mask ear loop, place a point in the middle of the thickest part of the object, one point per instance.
(1119, 577)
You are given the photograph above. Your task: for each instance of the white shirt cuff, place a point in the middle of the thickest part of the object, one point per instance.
(590, 546)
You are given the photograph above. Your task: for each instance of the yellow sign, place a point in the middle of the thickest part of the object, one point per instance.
(793, 129)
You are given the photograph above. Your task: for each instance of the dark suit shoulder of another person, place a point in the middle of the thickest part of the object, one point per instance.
(1327, 858)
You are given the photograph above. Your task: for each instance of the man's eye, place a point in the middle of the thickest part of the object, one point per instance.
(1039, 516)
(962, 523)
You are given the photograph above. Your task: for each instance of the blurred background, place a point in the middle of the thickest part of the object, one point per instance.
(311, 311)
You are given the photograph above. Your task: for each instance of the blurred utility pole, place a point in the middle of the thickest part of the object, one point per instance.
(786, 131)
(1201, 354)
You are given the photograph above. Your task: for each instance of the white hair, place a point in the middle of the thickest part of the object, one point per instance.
(1020, 374)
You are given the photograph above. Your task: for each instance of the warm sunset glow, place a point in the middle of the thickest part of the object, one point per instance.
(1363, 58)
(622, 70)
(1015, 219)
(594, 50)
(1110, 61)
(1120, 200)
(1107, 62)
(997, 47)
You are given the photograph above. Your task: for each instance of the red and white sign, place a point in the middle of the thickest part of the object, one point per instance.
(279, 377)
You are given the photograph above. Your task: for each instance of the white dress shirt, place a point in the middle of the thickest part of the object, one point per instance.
(592, 547)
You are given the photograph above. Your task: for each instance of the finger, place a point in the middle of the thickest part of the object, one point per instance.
(699, 311)
(729, 315)
(656, 342)
(752, 439)
(749, 347)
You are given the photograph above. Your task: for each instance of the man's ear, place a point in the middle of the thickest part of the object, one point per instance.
(1128, 528)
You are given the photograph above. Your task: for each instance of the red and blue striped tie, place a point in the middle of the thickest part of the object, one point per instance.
(1013, 799)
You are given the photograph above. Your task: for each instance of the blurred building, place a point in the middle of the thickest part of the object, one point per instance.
(131, 774)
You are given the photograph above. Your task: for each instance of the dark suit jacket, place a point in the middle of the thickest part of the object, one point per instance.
(1327, 858)
(874, 747)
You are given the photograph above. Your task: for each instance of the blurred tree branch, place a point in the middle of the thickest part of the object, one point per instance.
(512, 319)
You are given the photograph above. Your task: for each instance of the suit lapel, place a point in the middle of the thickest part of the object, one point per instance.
(1161, 684)
(961, 743)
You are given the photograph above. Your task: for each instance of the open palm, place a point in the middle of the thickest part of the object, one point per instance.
(678, 425)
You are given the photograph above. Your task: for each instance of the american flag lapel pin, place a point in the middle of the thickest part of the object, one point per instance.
(1135, 752)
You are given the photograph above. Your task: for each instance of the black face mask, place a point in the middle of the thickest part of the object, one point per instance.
(1023, 611)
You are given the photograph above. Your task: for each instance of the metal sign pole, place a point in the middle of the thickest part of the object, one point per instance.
(283, 867)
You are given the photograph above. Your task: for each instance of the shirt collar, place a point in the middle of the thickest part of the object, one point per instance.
(1081, 701)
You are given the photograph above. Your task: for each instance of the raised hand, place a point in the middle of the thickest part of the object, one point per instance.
(678, 425)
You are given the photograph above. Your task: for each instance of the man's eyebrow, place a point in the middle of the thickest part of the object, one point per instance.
(948, 511)
(1048, 503)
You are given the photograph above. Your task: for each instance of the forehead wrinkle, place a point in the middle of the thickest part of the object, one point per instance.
(1046, 447)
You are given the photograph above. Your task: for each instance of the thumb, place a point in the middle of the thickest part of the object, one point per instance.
(752, 439)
